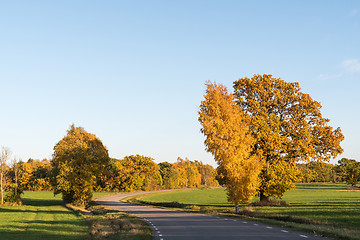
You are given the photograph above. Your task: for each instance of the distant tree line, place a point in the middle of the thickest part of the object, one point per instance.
(134, 172)
(131, 173)
(347, 170)
(138, 172)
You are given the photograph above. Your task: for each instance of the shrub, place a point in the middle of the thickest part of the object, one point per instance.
(13, 197)
(193, 207)
(207, 209)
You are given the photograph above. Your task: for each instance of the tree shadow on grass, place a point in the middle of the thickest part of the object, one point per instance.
(14, 210)
(43, 233)
(19, 227)
(41, 202)
(322, 204)
(44, 229)
(320, 187)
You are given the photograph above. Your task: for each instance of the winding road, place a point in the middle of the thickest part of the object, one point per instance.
(175, 225)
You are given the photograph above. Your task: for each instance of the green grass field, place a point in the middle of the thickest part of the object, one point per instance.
(325, 204)
(43, 216)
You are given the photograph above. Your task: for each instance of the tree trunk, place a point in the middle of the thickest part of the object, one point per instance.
(2, 189)
(16, 181)
(263, 197)
(5, 152)
(237, 208)
(265, 179)
(16, 170)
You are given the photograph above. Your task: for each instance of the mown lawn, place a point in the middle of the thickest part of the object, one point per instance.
(325, 204)
(41, 217)
(215, 197)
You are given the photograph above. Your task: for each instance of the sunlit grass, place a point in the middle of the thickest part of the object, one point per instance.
(41, 217)
(328, 203)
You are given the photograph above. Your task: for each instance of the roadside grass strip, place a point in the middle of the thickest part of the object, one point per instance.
(111, 224)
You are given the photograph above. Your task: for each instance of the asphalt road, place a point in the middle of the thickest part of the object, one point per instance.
(175, 225)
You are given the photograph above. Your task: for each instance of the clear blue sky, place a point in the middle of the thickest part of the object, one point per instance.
(133, 72)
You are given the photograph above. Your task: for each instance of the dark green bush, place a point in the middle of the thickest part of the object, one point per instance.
(13, 197)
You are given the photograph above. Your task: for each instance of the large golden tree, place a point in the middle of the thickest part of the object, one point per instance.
(78, 159)
(287, 126)
(228, 139)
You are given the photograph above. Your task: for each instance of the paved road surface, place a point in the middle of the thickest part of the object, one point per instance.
(176, 225)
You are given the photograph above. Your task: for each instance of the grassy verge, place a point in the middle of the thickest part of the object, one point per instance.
(110, 224)
(323, 209)
(43, 216)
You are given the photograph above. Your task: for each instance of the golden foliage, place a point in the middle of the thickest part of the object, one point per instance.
(138, 172)
(34, 175)
(26, 170)
(188, 173)
(227, 138)
(287, 126)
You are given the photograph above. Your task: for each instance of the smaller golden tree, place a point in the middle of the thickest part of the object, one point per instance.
(228, 139)
(77, 161)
